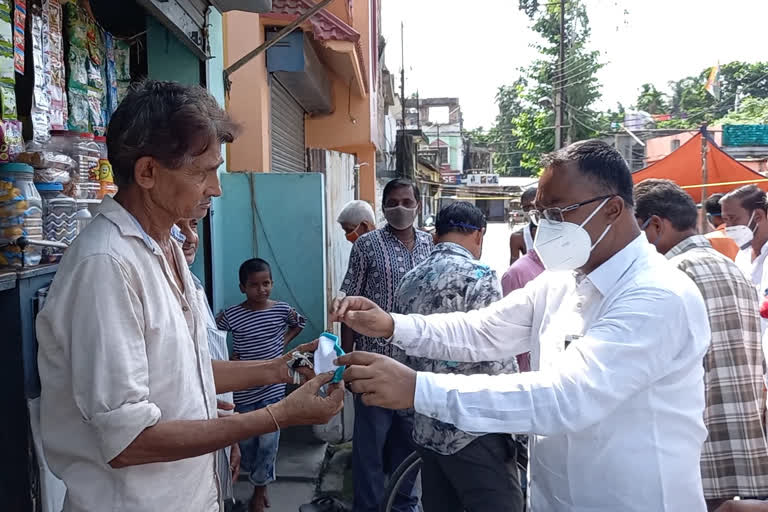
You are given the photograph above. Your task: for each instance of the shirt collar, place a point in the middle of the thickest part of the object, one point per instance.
(607, 274)
(454, 248)
(126, 222)
(687, 244)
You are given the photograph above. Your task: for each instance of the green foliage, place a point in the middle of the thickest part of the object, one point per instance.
(751, 111)
(524, 128)
(652, 100)
(691, 105)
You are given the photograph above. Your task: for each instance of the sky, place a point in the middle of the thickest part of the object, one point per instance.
(468, 48)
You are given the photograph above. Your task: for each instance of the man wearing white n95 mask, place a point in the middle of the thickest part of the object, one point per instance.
(616, 335)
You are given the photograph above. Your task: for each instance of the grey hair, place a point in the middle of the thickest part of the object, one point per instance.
(355, 212)
(168, 121)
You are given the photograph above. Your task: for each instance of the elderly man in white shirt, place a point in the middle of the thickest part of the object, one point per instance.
(616, 397)
(128, 403)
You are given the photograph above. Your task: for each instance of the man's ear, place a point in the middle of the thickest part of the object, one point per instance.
(614, 208)
(242, 288)
(145, 172)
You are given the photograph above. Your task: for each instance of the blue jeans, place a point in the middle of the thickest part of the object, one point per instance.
(258, 454)
(382, 440)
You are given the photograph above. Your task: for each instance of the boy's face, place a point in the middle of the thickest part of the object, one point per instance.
(258, 287)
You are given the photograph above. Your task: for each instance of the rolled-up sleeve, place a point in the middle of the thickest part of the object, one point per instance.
(641, 339)
(104, 334)
(499, 331)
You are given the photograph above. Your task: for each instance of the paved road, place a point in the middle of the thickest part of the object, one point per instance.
(496, 247)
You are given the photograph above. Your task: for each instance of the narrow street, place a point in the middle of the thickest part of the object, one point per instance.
(496, 247)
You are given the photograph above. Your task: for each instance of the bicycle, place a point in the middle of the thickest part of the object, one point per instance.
(402, 473)
(411, 464)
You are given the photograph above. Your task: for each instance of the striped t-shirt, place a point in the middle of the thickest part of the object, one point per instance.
(259, 335)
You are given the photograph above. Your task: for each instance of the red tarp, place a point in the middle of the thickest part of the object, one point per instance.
(683, 166)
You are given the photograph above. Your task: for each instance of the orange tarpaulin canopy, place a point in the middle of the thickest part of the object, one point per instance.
(683, 166)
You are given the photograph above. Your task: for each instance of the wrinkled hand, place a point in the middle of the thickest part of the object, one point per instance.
(381, 381)
(305, 407)
(234, 461)
(306, 373)
(363, 316)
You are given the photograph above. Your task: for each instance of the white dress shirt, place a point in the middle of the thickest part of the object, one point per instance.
(757, 272)
(616, 400)
(121, 348)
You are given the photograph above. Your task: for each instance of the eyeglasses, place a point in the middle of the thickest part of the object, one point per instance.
(555, 214)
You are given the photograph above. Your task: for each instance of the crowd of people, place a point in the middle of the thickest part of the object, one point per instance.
(622, 353)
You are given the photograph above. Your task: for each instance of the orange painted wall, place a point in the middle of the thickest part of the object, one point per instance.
(248, 102)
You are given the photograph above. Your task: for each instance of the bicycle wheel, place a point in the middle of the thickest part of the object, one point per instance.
(410, 466)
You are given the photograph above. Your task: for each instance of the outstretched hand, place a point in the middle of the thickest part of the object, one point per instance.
(306, 407)
(363, 316)
(306, 372)
(381, 381)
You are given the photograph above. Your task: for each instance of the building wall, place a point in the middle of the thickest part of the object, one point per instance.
(168, 58)
(248, 101)
(659, 147)
(349, 128)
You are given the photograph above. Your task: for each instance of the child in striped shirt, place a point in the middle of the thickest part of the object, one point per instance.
(260, 329)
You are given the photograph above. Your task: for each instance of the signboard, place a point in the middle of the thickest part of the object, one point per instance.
(482, 179)
(451, 179)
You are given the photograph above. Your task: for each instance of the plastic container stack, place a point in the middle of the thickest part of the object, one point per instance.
(21, 214)
(59, 219)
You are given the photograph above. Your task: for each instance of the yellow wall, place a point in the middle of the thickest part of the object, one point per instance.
(347, 129)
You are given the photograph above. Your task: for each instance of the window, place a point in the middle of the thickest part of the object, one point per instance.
(444, 155)
(674, 144)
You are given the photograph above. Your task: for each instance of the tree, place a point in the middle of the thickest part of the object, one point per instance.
(524, 128)
(691, 105)
(652, 100)
(751, 111)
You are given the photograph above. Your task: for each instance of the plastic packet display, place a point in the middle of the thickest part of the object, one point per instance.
(52, 175)
(77, 28)
(12, 143)
(78, 108)
(41, 124)
(8, 100)
(46, 160)
(78, 71)
(19, 22)
(94, 75)
(122, 60)
(96, 112)
(6, 24)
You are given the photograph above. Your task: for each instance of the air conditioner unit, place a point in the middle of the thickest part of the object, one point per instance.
(243, 5)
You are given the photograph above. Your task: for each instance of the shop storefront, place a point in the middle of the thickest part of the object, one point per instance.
(64, 67)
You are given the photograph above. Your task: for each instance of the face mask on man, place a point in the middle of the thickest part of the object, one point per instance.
(400, 217)
(742, 235)
(565, 245)
(352, 236)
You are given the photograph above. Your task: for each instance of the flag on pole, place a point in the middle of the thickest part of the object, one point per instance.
(713, 82)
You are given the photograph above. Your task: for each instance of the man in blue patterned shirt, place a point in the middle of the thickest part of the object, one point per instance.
(379, 260)
(461, 471)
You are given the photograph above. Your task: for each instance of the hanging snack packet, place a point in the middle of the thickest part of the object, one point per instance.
(96, 112)
(78, 108)
(8, 99)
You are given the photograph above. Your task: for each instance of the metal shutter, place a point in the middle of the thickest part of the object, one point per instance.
(287, 131)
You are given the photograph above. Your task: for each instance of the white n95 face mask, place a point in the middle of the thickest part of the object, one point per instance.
(565, 245)
(742, 235)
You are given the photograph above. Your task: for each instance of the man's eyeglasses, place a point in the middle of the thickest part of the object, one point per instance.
(555, 214)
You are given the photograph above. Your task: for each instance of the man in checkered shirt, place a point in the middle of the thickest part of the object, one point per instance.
(734, 459)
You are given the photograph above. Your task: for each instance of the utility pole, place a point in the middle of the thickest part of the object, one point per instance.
(704, 177)
(401, 139)
(559, 91)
